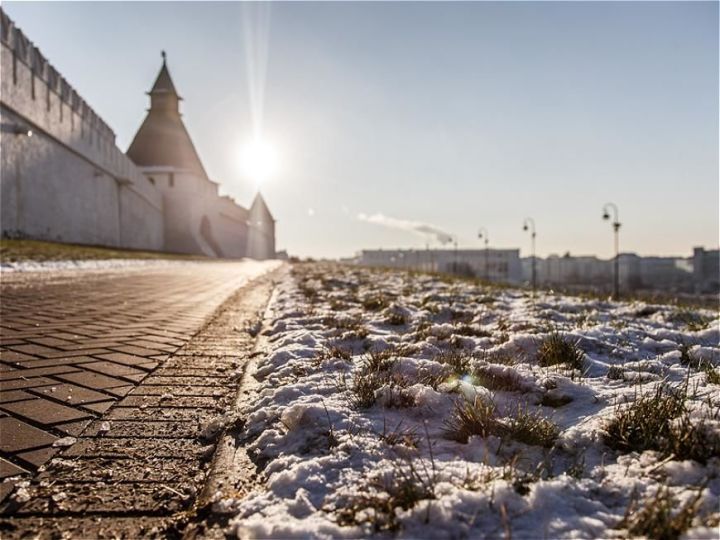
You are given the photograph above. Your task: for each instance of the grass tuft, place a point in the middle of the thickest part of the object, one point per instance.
(661, 421)
(659, 517)
(375, 302)
(469, 419)
(532, 428)
(376, 503)
(457, 360)
(556, 349)
(493, 378)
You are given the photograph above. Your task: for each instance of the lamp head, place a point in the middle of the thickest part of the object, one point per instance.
(606, 216)
(525, 227)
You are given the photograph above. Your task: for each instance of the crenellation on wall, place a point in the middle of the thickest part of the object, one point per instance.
(23, 51)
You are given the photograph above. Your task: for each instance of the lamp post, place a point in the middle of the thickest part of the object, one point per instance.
(455, 247)
(616, 230)
(529, 225)
(484, 235)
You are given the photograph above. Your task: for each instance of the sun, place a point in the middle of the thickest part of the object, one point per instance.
(259, 160)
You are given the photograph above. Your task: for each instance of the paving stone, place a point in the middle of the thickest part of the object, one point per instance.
(116, 370)
(188, 381)
(145, 429)
(36, 372)
(130, 447)
(99, 407)
(95, 527)
(51, 342)
(62, 361)
(155, 346)
(31, 382)
(6, 488)
(14, 395)
(78, 352)
(7, 355)
(164, 413)
(8, 469)
(124, 358)
(71, 394)
(39, 456)
(44, 411)
(150, 400)
(120, 391)
(99, 497)
(159, 390)
(148, 469)
(16, 436)
(137, 351)
(73, 429)
(34, 350)
(93, 380)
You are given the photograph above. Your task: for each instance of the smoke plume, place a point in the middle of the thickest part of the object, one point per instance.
(405, 225)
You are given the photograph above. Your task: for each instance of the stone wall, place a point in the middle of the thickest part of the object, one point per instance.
(62, 177)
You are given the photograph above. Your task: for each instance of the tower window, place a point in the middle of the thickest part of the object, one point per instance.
(171, 179)
(151, 180)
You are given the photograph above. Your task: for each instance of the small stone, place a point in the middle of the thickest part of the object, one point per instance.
(64, 442)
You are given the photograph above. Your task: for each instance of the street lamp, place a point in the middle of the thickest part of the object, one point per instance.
(616, 229)
(529, 225)
(455, 264)
(484, 234)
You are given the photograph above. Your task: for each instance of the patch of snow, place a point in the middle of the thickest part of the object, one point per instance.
(323, 458)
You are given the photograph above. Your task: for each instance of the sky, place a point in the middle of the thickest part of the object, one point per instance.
(388, 116)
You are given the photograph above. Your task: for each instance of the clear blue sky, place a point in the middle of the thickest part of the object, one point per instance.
(457, 115)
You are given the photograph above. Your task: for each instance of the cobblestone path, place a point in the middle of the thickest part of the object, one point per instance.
(73, 349)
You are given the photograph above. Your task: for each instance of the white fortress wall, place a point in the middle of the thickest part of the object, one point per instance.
(229, 224)
(68, 181)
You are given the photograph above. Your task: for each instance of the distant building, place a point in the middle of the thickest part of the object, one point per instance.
(62, 177)
(502, 265)
(706, 270)
(672, 274)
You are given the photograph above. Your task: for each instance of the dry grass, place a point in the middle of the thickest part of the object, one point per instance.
(497, 379)
(469, 419)
(457, 360)
(692, 320)
(532, 428)
(470, 330)
(661, 421)
(376, 502)
(18, 250)
(659, 516)
(400, 436)
(481, 418)
(375, 302)
(556, 349)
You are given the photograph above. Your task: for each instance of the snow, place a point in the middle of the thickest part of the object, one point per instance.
(321, 455)
(93, 264)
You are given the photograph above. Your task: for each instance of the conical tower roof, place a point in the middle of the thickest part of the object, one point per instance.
(259, 206)
(164, 82)
(163, 140)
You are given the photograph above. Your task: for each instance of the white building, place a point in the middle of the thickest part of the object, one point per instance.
(501, 265)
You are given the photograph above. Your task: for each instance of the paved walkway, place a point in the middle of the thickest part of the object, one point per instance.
(73, 345)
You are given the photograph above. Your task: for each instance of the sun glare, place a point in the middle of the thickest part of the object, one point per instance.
(259, 160)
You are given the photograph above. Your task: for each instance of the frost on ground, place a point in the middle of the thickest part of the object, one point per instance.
(404, 404)
(92, 264)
